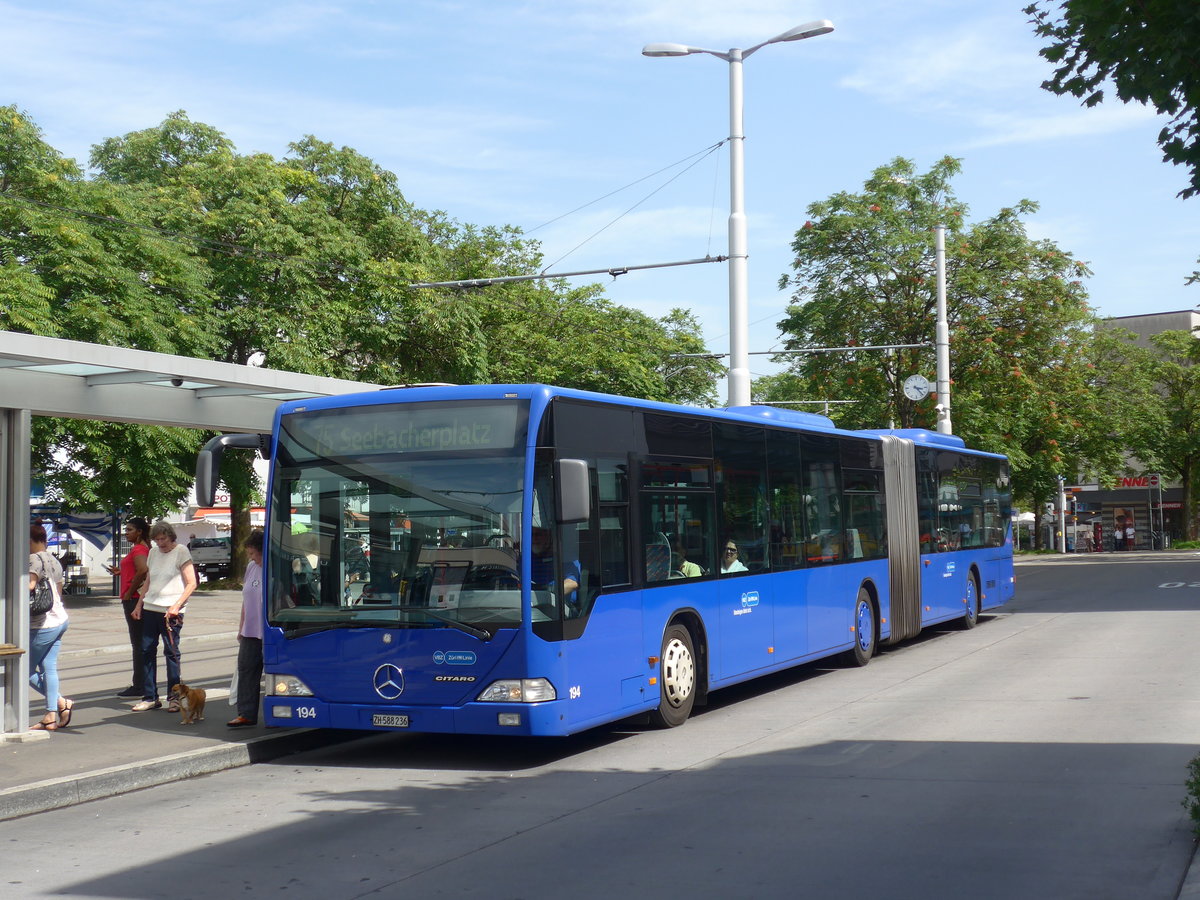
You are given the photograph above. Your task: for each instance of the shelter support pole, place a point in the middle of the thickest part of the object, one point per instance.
(14, 569)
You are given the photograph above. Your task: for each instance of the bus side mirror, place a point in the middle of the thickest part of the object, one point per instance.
(573, 491)
(208, 461)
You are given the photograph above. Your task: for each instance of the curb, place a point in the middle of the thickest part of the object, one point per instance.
(1190, 889)
(57, 793)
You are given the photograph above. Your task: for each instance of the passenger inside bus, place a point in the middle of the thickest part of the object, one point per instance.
(681, 566)
(729, 559)
(305, 586)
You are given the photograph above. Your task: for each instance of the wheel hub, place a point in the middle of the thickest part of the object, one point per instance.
(679, 673)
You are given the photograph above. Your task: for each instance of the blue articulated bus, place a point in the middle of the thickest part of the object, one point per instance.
(524, 559)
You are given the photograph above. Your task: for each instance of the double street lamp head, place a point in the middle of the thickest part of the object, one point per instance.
(799, 33)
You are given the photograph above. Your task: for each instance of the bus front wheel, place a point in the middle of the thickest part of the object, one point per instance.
(676, 678)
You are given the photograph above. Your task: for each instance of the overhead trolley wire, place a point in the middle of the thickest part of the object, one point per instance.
(698, 158)
(699, 153)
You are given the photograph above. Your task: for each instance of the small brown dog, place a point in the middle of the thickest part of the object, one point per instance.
(191, 702)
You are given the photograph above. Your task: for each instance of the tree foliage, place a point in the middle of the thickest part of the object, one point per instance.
(1026, 358)
(1168, 440)
(181, 244)
(1147, 50)
(106, 466)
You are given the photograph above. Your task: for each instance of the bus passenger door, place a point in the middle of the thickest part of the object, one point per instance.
(747, 623)
(939, 585)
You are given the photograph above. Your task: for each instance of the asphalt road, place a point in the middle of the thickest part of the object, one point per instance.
(1041, 754)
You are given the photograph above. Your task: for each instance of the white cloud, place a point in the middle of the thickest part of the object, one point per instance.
(984, 74)
(1011, 128)
(961, 65)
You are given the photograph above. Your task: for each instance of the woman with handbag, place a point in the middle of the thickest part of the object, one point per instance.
(45, 633)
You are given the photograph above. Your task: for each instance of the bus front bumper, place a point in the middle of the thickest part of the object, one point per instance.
(546, 718)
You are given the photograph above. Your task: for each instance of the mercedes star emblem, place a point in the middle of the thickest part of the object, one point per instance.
(389, 681)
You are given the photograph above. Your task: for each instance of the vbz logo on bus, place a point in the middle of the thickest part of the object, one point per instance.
(749, 599)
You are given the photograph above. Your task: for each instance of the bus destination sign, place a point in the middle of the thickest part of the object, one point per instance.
(388, 429)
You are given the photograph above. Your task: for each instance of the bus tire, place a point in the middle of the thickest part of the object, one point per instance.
(866, 634)
(676, 679)
(972, 601)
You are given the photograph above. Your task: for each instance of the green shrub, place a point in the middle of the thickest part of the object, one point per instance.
(1192, 801)
(1186, 545)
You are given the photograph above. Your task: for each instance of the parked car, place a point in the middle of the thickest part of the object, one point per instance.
(212, 556)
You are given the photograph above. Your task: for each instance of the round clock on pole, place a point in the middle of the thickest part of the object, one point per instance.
(916, 387)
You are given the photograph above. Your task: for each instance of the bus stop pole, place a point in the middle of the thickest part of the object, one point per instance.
(1062, 515)
(14, 570)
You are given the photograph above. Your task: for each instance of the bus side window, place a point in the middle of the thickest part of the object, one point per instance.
(741, 461)
(612, 476)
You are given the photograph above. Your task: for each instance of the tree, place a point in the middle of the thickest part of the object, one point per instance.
(548, 331)
(182, 245)
(67, 271)
(106, 466)
(1148, 51)
(1024, 349)
(1169, 439)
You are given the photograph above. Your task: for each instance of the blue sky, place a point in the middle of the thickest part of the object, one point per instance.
(518, 111)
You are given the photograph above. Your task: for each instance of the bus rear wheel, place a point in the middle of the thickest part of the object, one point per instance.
(676, 679)
(971, 600)
(866, 636)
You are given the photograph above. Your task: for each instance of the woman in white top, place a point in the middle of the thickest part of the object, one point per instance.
(730, 561)
(170, 580)
(45, 635)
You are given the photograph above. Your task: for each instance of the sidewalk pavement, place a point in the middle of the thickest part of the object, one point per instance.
(109, 749)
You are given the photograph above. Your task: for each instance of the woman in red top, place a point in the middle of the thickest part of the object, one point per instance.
(133, 571)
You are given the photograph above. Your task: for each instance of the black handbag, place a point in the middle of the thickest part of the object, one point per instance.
(41, 598)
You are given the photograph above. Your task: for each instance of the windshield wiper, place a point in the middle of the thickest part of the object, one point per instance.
(453, 623)
(300, 629)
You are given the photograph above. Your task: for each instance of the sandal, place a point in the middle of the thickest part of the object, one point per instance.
(43, 725)
(64, 712)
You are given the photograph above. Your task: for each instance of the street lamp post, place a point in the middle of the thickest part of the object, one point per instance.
(739, 325)
(942, 326)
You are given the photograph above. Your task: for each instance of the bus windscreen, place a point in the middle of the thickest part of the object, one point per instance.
(398, 516)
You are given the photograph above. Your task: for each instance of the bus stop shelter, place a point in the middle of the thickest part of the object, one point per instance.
(42, 376)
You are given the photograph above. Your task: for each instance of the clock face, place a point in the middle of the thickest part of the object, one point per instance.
(916, 387)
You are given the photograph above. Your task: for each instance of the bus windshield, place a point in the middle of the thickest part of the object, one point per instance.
(398, 516)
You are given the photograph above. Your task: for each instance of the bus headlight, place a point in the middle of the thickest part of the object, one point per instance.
(518, 690)
(288, 686)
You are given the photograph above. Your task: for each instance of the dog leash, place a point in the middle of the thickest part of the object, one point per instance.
(171, 637)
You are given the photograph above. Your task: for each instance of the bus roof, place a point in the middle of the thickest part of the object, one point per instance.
(542, 394)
